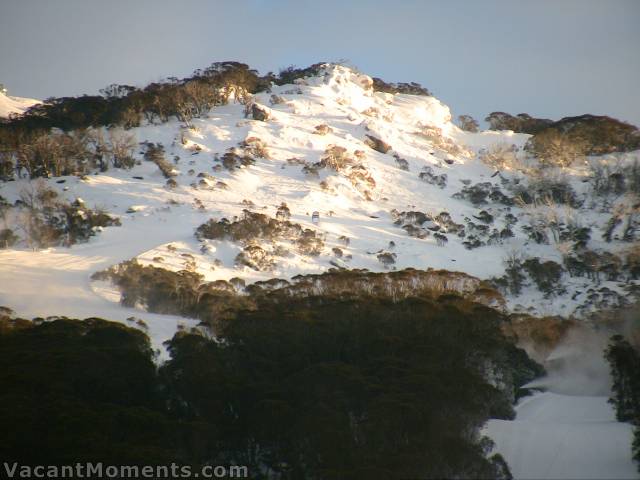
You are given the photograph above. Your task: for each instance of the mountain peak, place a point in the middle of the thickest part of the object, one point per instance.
(14, 105)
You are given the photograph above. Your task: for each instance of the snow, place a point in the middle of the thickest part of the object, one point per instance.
(341, 99)
(567, 429)
(14, 105)
(56, 281)
(555, 435)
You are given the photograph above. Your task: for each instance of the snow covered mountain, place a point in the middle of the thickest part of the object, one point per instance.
(14, 105)
(383, 181)
(429, 201)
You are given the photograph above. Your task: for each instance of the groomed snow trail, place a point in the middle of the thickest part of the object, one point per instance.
(558, 436)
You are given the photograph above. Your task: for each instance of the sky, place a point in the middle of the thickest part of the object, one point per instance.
(548, 58)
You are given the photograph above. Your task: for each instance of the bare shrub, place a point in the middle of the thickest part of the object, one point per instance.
(155, 153)
(121, 146)
(513, 279)
(500, 156)
(468, 123)
(553, 148)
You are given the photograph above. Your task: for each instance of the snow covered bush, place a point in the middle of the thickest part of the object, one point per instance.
(438, 140)
(427, 175)
(626, 216)
(388, 259)
(632, 261)
(256, 147)
(546, 275)
(401, 163)
(336, 158)
(610, 179)
(253, 226)
(277, 100)
(322, 129)
(309, 242)
(420, 225)
(42, 220)
(376, 144)
(359, 176)
(233, 159)
(546, 188)
(255, 257)
(483, 193)
(513, 279)
(259, 112)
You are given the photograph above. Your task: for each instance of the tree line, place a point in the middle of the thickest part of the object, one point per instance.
(624, 360)
(320, 387)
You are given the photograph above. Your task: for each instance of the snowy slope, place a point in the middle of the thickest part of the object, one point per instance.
(558, 436)
(344, 101)
(56, 281)
(14, 105)
(568, 430)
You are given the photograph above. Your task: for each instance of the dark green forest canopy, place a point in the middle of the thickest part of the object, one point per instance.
(624, 360)
(75, 391)
(316, 388)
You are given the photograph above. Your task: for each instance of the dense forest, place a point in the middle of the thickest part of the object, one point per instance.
(320, 387)
(624, 360)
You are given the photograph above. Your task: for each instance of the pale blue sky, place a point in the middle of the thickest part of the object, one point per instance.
(549, 57)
